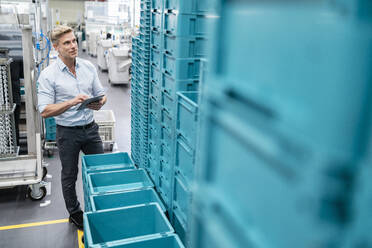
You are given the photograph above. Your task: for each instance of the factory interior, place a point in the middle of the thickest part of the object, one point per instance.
(186, 124)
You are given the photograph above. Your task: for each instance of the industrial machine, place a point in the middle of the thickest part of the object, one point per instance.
(119, 63)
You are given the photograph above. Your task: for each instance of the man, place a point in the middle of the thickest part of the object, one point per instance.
(62, 87)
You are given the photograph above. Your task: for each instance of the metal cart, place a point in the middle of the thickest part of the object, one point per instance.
(27, 169)
(106, 123)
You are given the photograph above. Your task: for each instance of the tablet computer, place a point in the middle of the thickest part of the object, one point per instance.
(84, 104)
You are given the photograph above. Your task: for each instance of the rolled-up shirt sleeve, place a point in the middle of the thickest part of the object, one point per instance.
(97, 86)
(45, 93)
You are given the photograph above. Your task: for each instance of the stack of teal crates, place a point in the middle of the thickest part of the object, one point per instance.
(280, 147)
(121, 207)
(140, 87)
(135, 105)
(178, 37)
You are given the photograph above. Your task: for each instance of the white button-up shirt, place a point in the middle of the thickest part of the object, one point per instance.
(57, 84)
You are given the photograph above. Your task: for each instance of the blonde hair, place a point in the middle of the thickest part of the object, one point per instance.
(59, 31)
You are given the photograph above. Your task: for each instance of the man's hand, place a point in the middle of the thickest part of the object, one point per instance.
(97, 105)
(78, 99)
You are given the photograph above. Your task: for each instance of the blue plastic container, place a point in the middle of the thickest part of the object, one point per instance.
(166, 169)
(156, 20)
(167, 120)
(165, 241)
(157, 5)
(102, 162)
(154, 105)
(183, 231)
(154, 148)
(182, 201)
(166, 153)
(188, 7)
(110, 227)
(155, 58)
(324, 57)
(187, 116)
(153, 167)
(154, 118)
(153, 132)
(145, 5)
(167, 137)
(165, 190)
(181, 69)
(155, 39)
(50, 129)
(171, 85)
(185, 159)
(168, 103)
(185, 47)
(184, 25)
(107, 182)
(125, 199)
(155, 74)
(105, 162)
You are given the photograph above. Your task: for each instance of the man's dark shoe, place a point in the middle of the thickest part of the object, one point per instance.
(77, 219)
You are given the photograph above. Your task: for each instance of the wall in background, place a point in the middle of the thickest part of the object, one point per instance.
(67, 11)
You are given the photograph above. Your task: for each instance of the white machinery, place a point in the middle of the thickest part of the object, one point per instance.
(92, 43)
(102, 47)
(119, 63)
(84, 45)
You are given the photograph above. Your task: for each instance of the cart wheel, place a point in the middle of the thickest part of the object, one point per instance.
(45, 172)
(49, 153)
(39, 196)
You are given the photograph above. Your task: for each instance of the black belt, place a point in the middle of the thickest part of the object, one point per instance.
(79, 127)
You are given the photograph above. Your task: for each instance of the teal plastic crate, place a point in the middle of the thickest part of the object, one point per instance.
(167, 137)
(155, 58)
(166, 172)
(168, 102)
(185, 25)
(167, 120)
(102, 162)
(171, 85)
(187, 116)
(156, 20)
(185, 47)
(155, 74)
(124, 199)
(188, 7)
(181, 69)
(123, 225)
(50, 129)
(108, 182)
(153, 167)
(340, 47)
(156, 39)
(155, 94)
(165, 241)
(157, 5)
(153, 132)
(182, 200)
(165, 191)
(185, 159)
(154, 149)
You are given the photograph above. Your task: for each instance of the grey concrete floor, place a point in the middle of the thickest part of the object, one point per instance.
(15, 208)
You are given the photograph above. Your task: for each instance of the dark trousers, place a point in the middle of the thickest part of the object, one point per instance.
(70, 142)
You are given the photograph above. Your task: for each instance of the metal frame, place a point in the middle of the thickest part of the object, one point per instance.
(26, 169)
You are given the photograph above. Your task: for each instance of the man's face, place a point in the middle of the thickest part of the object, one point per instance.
(67, 46)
